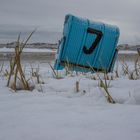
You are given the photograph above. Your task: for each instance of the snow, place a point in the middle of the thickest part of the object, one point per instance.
(58, 112)
(6, 50)
(127, 52)
(9, 50)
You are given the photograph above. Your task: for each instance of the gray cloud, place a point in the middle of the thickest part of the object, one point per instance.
(48, 15)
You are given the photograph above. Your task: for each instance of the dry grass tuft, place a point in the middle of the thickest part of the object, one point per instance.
(16, 74)
(56, 74)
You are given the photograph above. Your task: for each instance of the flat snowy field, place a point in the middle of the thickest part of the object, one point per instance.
(9, 50)
(54, 111)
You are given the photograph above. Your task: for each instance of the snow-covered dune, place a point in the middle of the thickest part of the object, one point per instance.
(58, 112)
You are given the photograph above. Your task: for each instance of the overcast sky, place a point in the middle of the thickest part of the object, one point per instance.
(48, 15)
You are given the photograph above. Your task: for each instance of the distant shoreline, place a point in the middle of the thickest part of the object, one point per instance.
(39, 45)
(32, 45)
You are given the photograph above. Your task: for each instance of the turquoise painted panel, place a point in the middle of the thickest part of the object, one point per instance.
(87, 44)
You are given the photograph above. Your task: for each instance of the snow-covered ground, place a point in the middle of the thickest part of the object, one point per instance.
(9, 50)
(30, 50)
(54, 111)
(127, 52)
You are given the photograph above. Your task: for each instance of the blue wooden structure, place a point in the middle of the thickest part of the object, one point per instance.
(87, 45)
